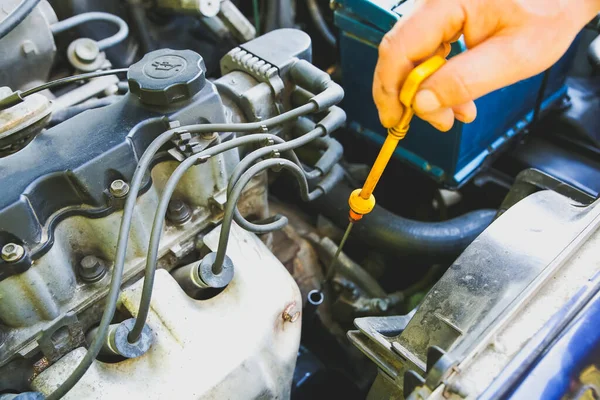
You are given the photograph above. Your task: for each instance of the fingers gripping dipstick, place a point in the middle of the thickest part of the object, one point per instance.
(361, 200)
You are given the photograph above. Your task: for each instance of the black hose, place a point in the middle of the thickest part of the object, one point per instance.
(138, 15)
(123, 238)
(21, 11)
(390, 233)
(278, 14)
(320, 24)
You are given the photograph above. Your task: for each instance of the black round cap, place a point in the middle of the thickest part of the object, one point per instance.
(166, 76)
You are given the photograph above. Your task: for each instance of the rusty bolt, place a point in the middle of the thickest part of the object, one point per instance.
(119, 188)
(288, 315)
(92, 269)
(12, 252)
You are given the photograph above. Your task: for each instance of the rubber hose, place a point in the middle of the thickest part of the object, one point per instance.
(390, 233)
(320, 24)
(18, 15)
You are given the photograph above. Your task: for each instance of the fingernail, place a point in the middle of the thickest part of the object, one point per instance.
(426, 101)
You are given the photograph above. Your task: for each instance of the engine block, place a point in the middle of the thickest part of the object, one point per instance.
(63, 193)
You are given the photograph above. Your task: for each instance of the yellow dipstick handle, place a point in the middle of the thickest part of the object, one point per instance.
(362, 200)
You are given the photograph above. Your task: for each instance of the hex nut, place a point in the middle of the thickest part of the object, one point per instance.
(12, 252)
(119, 188)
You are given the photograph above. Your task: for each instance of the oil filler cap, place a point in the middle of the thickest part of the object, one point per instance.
(167, 76)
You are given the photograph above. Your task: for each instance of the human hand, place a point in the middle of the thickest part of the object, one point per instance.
(508, 41)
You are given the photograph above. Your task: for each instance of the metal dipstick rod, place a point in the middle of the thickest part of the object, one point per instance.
(361, 200)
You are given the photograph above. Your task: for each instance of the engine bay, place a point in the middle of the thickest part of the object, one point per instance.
(175, 177)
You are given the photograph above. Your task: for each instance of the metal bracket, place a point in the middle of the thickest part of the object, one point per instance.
(188, 144)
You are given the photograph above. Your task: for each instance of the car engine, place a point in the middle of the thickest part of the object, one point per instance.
(174, 183)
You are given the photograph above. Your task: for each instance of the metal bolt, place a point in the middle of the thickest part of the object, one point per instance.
(178, 212)
(287, 314)
(12, 252)
(275, 154)
(119, 188)
(92, 269)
